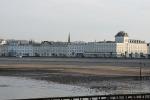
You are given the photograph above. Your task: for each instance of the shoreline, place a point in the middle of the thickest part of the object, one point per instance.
(61, 77)
(82, 72)
(99, 83)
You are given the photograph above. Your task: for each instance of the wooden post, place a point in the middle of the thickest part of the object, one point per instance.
(140, 71)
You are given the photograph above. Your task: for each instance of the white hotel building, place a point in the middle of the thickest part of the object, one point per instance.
(121, 47)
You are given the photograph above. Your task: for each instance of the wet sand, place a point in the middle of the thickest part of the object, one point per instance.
(83, 72)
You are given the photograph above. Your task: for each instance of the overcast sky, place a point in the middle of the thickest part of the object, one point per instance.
(86, 20)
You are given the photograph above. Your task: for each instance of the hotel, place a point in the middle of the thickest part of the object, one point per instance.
(122, 47)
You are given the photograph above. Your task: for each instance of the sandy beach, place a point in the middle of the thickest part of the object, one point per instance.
(96, 66)
(74, 70)
(95, 73)
(46, 77)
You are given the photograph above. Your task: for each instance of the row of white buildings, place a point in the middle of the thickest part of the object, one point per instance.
(121, 47)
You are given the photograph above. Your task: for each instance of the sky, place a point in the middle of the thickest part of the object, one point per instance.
(86, 20)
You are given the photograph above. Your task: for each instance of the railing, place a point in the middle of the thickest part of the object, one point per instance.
(144, 96)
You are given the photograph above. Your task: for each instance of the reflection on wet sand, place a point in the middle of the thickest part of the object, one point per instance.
(70, 77)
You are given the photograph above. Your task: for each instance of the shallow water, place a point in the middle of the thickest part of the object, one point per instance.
(121, 86)
(17, 88)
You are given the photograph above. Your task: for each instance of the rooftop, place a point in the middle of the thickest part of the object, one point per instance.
(121, 34)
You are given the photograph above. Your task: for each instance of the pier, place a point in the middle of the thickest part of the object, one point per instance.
(144, 96)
